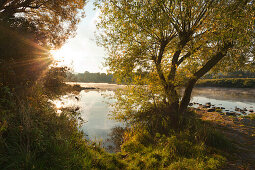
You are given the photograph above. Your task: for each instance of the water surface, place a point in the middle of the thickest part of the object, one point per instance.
(95, 110)
(229, 98)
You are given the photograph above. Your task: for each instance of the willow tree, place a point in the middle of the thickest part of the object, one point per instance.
(173, 43)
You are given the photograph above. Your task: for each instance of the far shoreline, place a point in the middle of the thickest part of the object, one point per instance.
(113, 86)
(97, 86)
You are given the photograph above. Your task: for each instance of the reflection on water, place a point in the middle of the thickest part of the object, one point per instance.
(115, 139)
(95, 110)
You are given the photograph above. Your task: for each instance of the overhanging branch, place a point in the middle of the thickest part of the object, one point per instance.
(190, 85)
(213, 61)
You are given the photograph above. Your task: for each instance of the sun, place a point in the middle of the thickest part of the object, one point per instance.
(62, 56)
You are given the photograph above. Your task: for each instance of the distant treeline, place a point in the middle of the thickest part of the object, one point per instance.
(227, 82)
(90, 77)
(236, 79)
(236, 74)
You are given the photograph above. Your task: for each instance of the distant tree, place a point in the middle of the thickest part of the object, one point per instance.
(175, 42)
(234, 74)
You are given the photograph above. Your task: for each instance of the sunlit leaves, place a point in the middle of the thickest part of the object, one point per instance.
(139, 27)
(56, 19)
(173, 42)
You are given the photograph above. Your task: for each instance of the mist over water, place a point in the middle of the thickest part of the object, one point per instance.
(225, 97)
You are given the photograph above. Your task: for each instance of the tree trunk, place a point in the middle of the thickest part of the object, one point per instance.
(172, 100)
(208, 66)
(186, 96)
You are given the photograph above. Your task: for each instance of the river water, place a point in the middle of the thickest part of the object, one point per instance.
(95, 110)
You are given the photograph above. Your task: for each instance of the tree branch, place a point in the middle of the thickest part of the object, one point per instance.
(209, 65)
(187, 55)
(213, 61)
(163, 45)
(2, 4)
(202, 15)
(172, 72)
(184, 39)
(157, 60)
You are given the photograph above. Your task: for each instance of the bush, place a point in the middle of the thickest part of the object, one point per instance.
(53, 81)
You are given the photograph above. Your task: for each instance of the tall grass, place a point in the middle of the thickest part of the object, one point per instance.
(194, 145)
(34, 136)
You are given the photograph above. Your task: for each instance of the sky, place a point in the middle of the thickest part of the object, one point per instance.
(82, 52)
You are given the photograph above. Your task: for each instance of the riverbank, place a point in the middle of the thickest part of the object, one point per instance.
(227, 82)
(240, 131)
(184, 150)
(202, 83)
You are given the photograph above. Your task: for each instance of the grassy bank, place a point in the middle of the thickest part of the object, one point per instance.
(227, 82)
(34, 136)
(194, 145)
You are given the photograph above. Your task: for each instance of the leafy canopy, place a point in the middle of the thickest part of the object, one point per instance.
(28, 30)
(137, 32)
(56, 19)
(168, 44)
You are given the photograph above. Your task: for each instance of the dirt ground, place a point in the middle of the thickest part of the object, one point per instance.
(241, 132)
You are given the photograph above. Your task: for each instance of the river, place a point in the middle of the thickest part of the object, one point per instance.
(95, 110)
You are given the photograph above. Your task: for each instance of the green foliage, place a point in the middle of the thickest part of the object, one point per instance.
(33, 135)
(175, 151)
(171, 44)
(228, 82)
(199, 148)
(22, 59)
(54, 26)
(209, 163)
(135, 102)
(28, 33)
(54, 81)
(250, 116)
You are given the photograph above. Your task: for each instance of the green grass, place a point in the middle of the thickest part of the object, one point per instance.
(195, 145)
(34, 136)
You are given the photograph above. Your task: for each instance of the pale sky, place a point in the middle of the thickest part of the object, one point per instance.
(82, 51)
